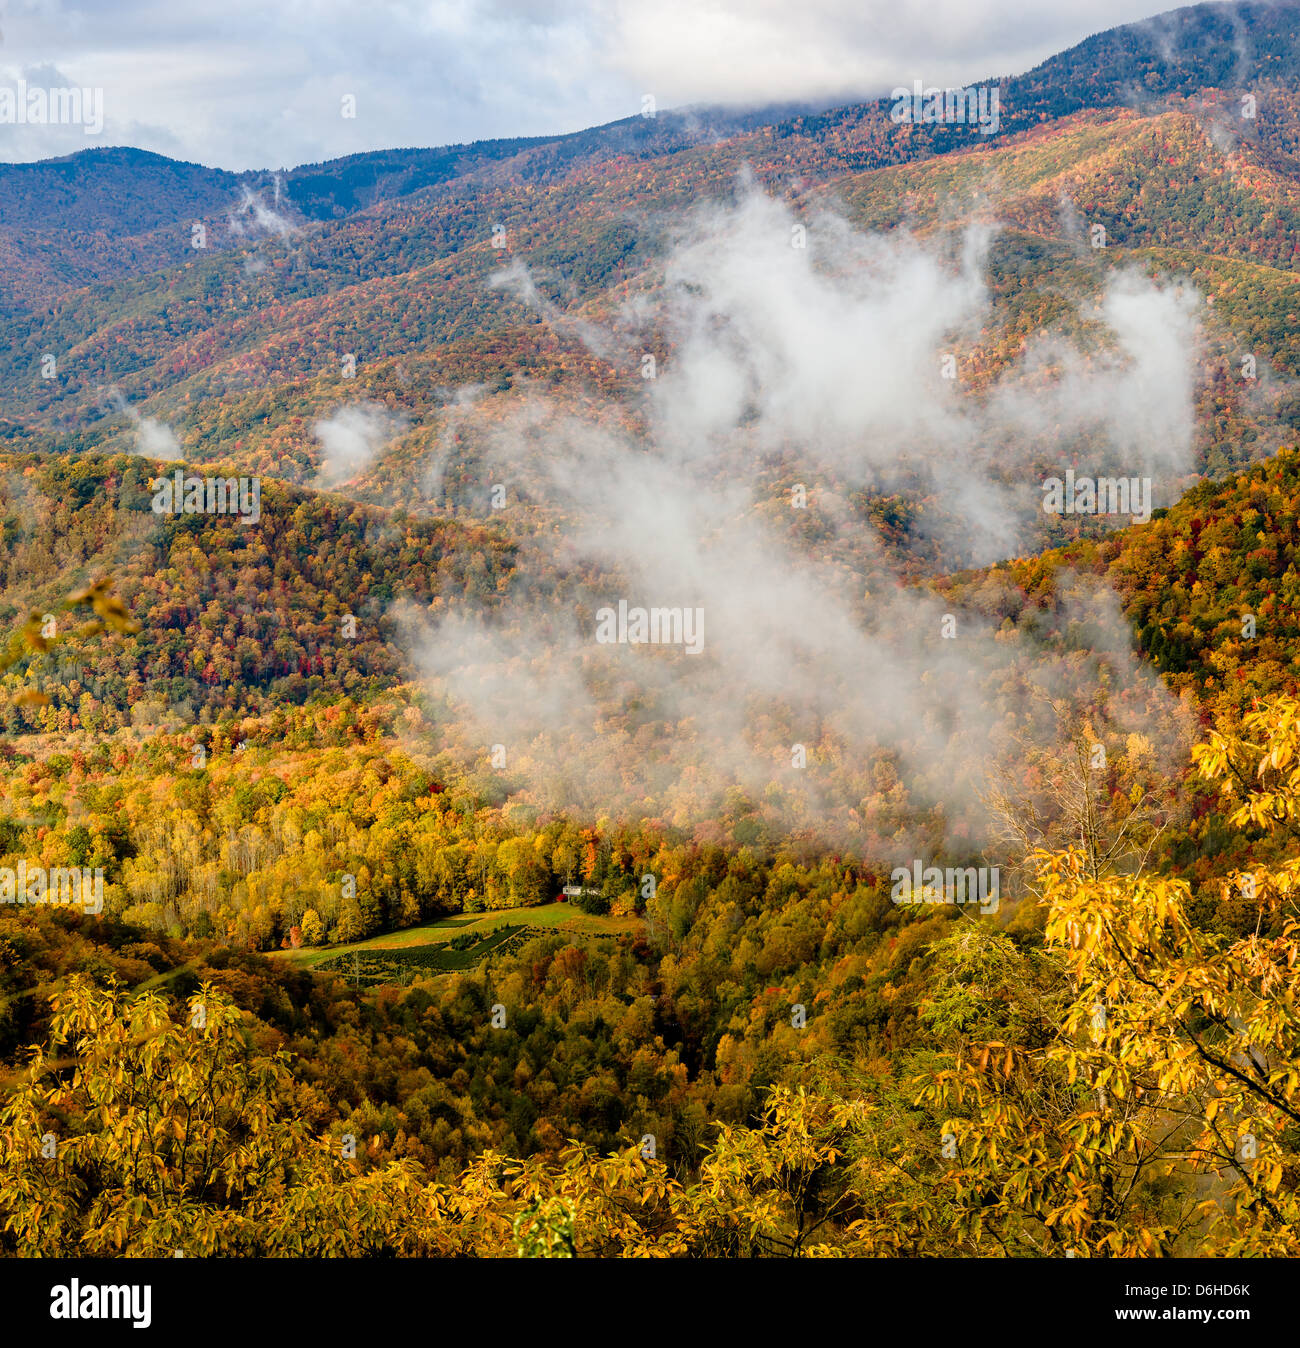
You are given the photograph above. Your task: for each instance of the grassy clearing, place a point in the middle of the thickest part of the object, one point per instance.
(426, 946)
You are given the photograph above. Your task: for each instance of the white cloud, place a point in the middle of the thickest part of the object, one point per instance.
(156, 440)
(828, 353)
(351, 439)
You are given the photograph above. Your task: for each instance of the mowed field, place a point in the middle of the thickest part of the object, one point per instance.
(429, 945)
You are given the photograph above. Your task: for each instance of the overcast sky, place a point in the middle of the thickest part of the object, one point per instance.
(260, 83)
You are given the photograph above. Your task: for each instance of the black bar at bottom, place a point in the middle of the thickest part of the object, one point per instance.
(222, 1300)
